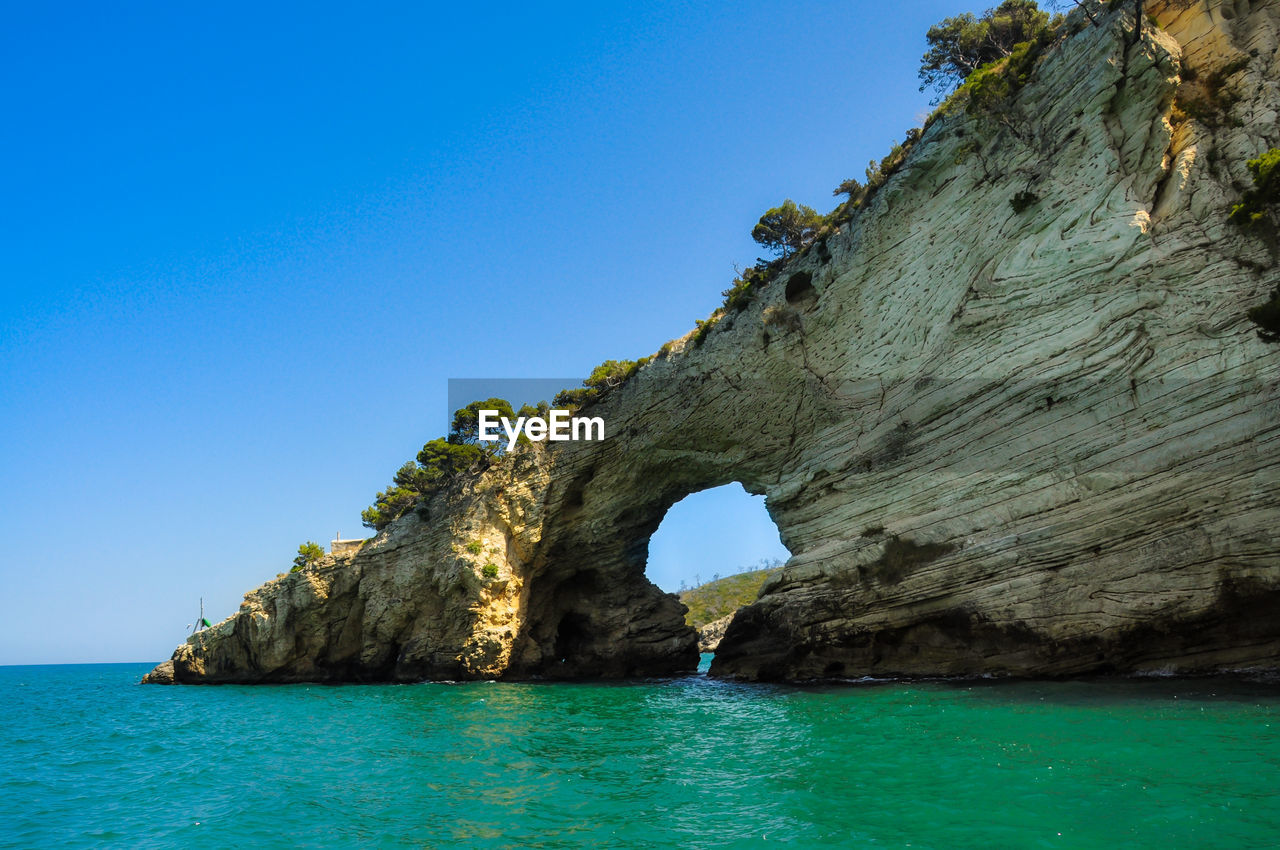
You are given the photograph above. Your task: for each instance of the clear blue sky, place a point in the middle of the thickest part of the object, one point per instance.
(245, 246)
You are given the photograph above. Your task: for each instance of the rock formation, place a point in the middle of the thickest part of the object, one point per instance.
(710, 635)
(1010, 419)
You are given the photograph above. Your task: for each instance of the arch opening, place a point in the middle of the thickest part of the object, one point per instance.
(714, 549)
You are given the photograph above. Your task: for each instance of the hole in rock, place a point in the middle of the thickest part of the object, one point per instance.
(800, 291)
(715, 548)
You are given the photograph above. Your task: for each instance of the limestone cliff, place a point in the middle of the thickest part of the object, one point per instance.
(997, 438)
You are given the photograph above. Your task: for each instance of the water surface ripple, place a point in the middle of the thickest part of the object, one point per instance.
(88, 758)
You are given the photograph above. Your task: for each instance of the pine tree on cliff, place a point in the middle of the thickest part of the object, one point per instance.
(788, 228)
(960, 45)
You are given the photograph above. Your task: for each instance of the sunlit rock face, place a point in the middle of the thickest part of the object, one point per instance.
(1007, 438)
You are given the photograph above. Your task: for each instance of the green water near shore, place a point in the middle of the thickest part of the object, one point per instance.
(88, 759)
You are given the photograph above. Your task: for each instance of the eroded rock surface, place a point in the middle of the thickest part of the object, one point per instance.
(1032, 440)
(710, 635)
(161, 675)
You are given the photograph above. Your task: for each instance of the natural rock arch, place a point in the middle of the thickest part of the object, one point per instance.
(996, 440)
(591, 568)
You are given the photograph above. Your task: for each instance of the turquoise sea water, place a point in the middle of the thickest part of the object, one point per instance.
(88, 758)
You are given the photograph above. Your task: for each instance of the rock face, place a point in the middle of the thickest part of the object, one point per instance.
(161, 675)
(1010, 438)
(417, 602)
(710, 635)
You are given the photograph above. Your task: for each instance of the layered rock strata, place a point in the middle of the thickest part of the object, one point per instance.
(1011, 419)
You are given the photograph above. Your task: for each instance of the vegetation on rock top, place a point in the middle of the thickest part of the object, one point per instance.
(962, 45)
(439, 463)
(1258, 209)
(443, 460)
(723, 596)
(988, 56)
(1258, 205)
(308, 554)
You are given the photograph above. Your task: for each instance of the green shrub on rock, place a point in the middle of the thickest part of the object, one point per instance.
(465, 429)
(961, 46)
(1258, 205)
(439, 462)
(787, 228)
(606, 377)
(308, 554)
(1257, 209)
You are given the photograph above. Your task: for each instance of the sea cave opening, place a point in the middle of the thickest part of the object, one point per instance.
(714, 549)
